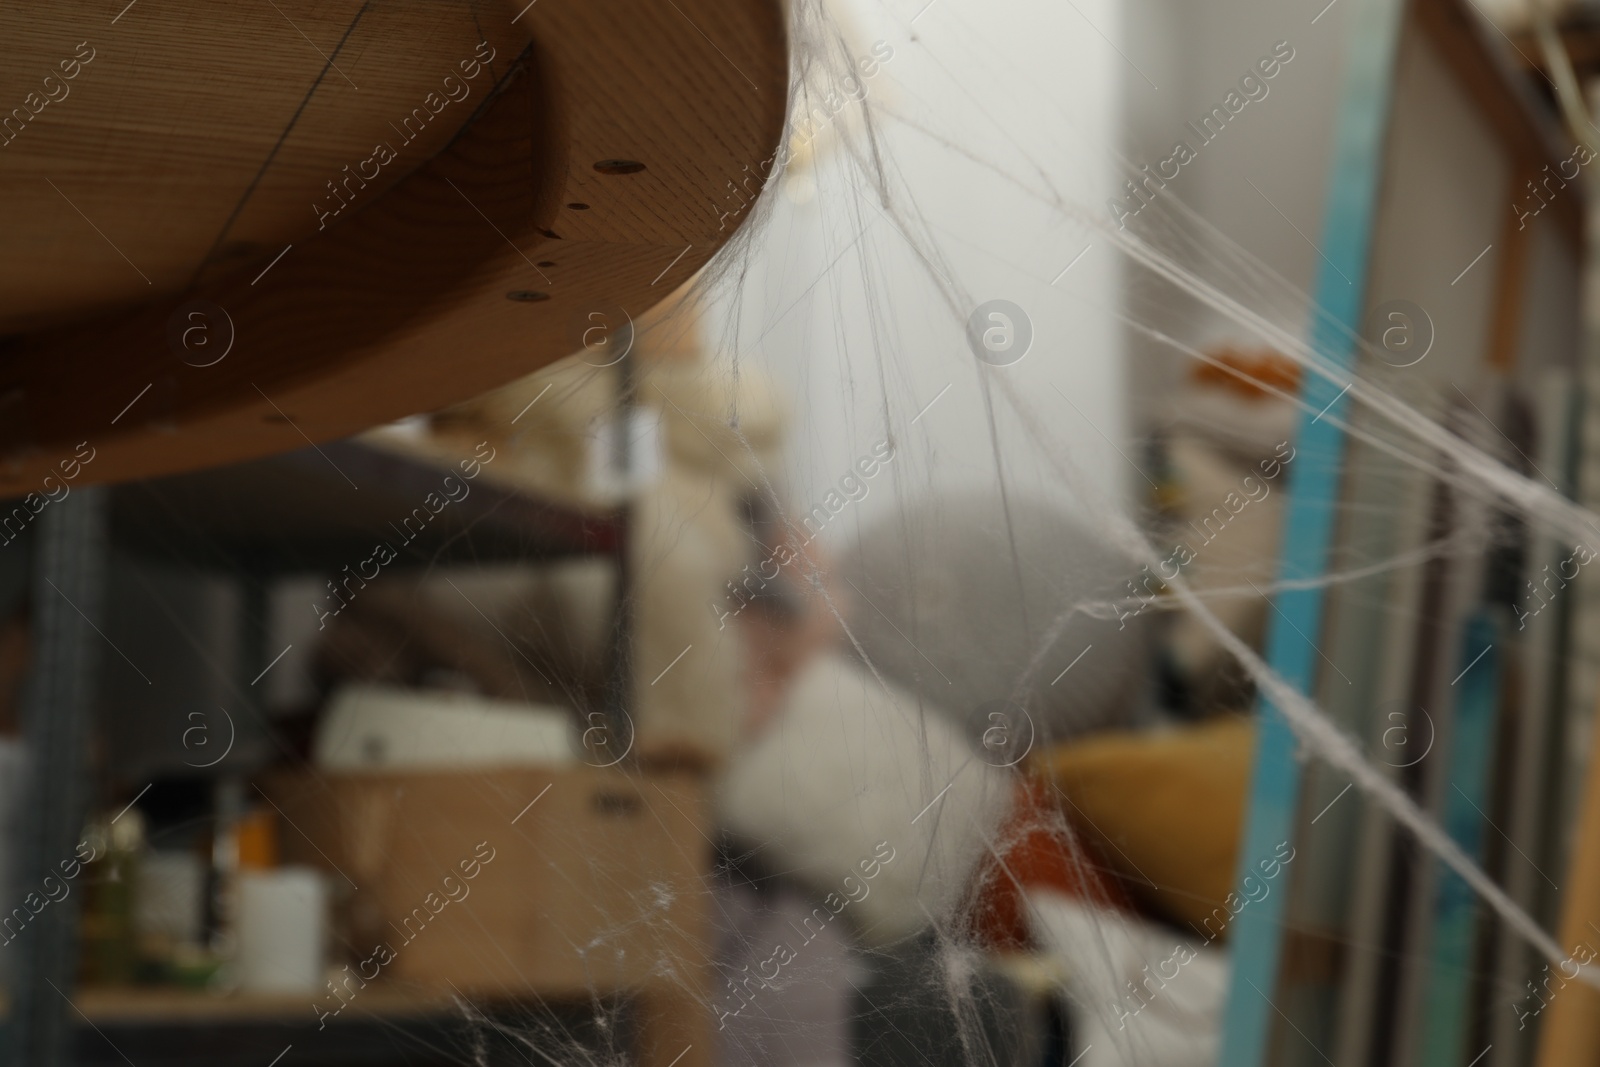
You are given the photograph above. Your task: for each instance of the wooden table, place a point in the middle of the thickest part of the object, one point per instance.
(208, 258)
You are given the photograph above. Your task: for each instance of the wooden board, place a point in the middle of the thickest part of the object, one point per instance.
(1426, 88)
(190, 159)
(1309, 522)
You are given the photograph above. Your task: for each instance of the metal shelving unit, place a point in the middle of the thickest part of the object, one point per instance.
(307, 512)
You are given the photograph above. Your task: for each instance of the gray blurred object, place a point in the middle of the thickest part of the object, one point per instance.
(807, 1022)
(928, 1003)
(173, 704)
(953, 605)
(69, 578)
(13, 778)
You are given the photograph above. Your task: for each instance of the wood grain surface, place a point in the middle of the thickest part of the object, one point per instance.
(173, 200)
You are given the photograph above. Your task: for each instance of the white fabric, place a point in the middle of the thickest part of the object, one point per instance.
(1123, 1015)
(850, 764)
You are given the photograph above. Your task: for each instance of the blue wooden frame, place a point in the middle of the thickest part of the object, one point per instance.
(1311, 512)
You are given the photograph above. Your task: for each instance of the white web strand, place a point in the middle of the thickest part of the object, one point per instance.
(1321, 736)
(1475, 472)
(1471, 470)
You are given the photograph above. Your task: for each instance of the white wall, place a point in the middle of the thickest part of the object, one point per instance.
(999, 125)
(1282, 143)
(997, 121)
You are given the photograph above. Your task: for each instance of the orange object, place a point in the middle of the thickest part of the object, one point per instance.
(1164, 807)
(1252, 375)
(1035, 849)
(257, 835)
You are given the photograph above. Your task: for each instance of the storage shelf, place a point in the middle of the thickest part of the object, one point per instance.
(153, 1005)
(381, 1027)
(326, 507)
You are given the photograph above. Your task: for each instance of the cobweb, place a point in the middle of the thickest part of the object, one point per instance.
(864, 312)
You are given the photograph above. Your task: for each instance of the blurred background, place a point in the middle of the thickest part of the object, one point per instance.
(1081, 559)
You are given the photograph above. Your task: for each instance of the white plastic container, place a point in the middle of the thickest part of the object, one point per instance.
(385, 729)
(283, 929)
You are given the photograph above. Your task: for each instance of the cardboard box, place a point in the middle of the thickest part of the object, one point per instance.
(566, 882)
